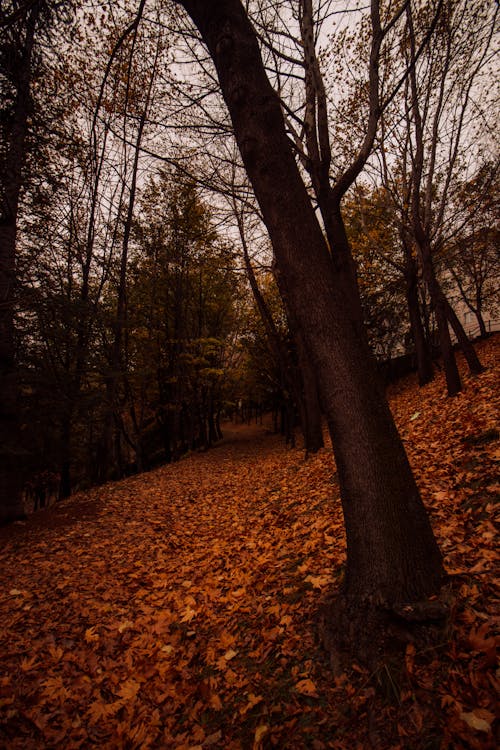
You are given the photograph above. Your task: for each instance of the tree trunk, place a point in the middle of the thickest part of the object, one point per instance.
(14, 453)
(65, 487)
(466, 346)
(439, 303)
(423, 355)
(298, 381)
(218, 428)
(392, 555)
(311, 413)
(212, 429)
(478, 312)
(483, 331)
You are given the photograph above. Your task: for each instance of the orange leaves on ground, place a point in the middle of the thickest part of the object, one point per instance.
(178, 609)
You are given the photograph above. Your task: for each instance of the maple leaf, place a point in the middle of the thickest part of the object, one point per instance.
(139, 737)
(306, 687)
(215, 702)
(189, 614)
(28, 662)
(55, 688)
(99, 710)
(129, 689)
(90, 635)
(56, 652)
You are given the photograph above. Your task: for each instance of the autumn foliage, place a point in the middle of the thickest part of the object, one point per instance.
(178, 609)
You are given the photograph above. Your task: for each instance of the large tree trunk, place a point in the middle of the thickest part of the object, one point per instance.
(392, 555)
(14, 452)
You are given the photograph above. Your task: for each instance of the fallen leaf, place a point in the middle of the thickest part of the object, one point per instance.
(475, 722)
(252, 701)
(306, 687)
(215, 702)
(260, 733)
(129, 689)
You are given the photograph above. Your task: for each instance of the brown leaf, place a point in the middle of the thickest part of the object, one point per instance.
(306, 687)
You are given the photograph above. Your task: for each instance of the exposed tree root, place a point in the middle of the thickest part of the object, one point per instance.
(371, 635)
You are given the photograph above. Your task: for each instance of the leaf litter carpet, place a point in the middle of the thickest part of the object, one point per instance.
(178, 609)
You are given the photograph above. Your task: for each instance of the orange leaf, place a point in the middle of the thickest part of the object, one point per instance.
(260, 733)
(253, 700)
(129, 690)
(476, 722)
(306, 687)
(215, 702)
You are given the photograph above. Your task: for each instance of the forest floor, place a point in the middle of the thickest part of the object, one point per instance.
(178, 609)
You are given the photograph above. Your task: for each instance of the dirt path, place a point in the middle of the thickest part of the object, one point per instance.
(104, 589)
(240, 440)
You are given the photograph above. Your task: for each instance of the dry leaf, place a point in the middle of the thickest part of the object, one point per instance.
(306, 687)
(477, 723)
(261, 731)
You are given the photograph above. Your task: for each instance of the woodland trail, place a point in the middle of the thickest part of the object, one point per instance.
(178, 608)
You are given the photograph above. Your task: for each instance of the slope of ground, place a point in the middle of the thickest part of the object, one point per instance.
(178, 609)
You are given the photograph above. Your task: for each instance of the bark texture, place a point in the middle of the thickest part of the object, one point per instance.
(392, 553)
(422, 350)
(13, 443)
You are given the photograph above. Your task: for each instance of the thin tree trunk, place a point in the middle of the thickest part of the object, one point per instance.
(65, 488)
(438, 300)
(478, 312)
(218, 428)
(483, 331)
(118, 363)
(423, 355)
(312, 428)
(212, 430)
(466, 345)
(293, 379)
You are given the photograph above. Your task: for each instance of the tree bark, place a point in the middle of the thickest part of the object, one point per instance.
(483, 331)
(439, 302)
(14, 451)
(423, 355)
(299, 381)
(466, 346)
(392, 555)
(311, 417)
